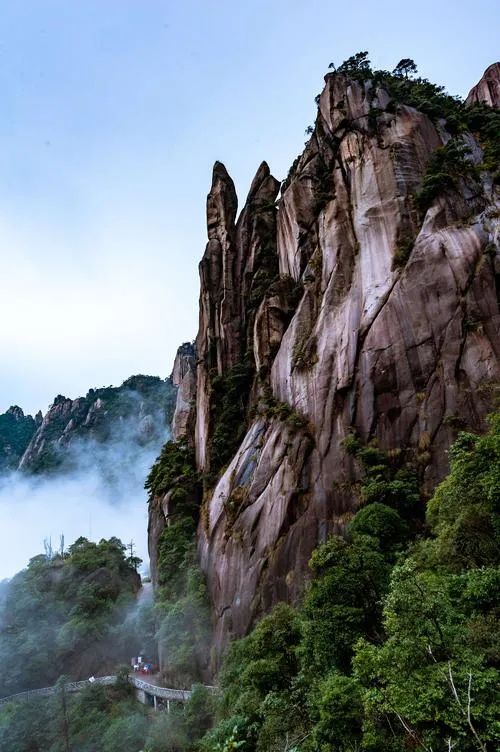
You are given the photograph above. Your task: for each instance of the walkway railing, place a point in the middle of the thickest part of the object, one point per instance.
(181, 695)
(165, 693)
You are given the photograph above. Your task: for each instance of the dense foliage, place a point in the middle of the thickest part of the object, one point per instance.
(101, 719)
(149, 394)
(229, 411)
(447, 166)
(182, 618)
(16, 431)
(66, 613)
(394, 647)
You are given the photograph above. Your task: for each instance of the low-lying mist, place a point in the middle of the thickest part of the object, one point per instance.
(101, 496)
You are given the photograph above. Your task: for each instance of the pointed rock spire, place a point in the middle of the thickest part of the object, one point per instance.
(222, 203)
(487, 89)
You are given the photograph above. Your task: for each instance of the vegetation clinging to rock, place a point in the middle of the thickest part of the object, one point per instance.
(393, 647)
(229, 413)
(447, 166)
(181, 607)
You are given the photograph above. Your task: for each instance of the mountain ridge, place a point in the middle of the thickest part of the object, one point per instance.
(374, 317)
(144, 403)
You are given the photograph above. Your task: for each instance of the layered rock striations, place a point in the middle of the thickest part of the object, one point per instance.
(357, 312)
(238, 263)
(184, 380)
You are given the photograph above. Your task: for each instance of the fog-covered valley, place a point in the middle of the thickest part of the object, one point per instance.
(83, 471)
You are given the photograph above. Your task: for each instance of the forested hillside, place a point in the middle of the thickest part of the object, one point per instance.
(72, 612)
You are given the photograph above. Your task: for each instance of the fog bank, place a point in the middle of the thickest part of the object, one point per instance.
(102, 496)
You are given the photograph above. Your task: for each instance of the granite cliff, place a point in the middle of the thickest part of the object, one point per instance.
(359, 302)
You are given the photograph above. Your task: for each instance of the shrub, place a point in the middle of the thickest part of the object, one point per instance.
(229, 400)
(175, 470)
(382, 523)
(447, 166)
(403, 250)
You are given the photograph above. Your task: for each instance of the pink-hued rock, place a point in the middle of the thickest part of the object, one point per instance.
(235, 254)
(184, 378)
(393, 348)
(487, 89)
(383, 321)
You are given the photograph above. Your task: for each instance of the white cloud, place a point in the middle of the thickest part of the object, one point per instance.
(102, 496)
(69, 326)
(31, 512)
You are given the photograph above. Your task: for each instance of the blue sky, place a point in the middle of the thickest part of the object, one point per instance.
(113, 112)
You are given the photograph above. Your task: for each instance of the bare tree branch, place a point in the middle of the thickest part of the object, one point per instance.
(467, 713)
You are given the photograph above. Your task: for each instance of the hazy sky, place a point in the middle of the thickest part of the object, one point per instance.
(112, 114)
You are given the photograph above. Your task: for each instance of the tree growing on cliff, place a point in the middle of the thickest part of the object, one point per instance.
(448, 166)
(405, 67)
(356, 64)
(436, 674)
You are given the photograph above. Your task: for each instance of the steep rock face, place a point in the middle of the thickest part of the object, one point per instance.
(217, 346)
(396, 337)
(183, 426)
(239, 262)
(487, 90)
(239, 259)
(184, 379)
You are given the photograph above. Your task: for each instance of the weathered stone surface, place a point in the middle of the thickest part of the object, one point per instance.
(254, 509)
(184, 378)
(487, 89)
(214, 344)
(238, 257)
(396, 336)
(271, 321)
(57, 419)
(157, 522)
(356, 313)
(183, 426)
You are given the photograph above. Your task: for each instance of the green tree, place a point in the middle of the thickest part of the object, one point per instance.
(465, 510)
(435, 678)
(405, 67)
(428, 677)
(25, 727)
(343, 601)
(126, 734)
(66, 614)
(356, 65)
(167, 733)
(448, 166)
(340, 710)
(382, 523)
(257, 686)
